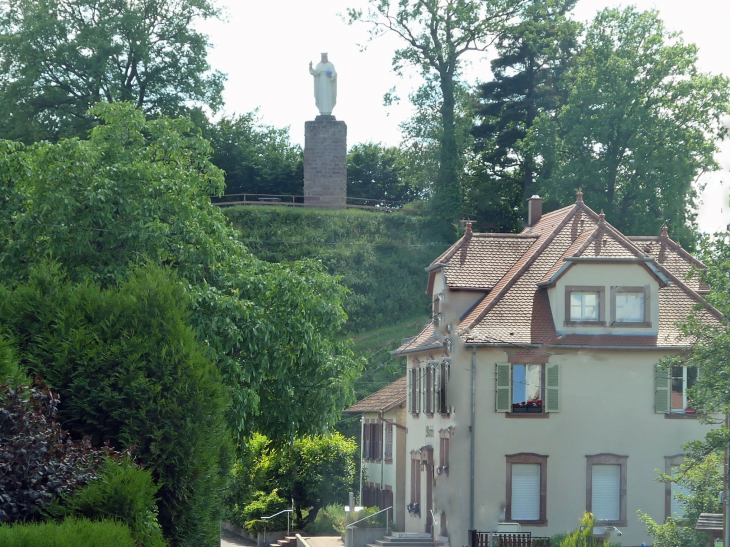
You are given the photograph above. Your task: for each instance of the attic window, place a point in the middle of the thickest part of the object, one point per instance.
(630, 306)
(584, 305)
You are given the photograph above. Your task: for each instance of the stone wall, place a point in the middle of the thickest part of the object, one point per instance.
(325, 162)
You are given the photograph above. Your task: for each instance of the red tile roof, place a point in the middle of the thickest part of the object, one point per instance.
(425, 340)
(517, 311)
(389, 397)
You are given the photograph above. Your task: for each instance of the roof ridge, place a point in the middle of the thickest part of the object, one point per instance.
(516, 271)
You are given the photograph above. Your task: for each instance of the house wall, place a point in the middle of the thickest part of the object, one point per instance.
(389, 475)
(607, 406)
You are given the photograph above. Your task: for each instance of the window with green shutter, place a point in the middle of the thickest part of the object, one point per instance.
(662, 390)
(504, 387)
(552, 388)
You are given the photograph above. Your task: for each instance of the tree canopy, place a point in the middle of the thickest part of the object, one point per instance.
(59, 57)
(436, 35)
(139, 190)
(639, 125)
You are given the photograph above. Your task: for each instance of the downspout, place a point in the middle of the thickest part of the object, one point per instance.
(473, 417)
(362, 440)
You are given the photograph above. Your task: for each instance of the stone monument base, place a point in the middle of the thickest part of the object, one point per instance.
(325, 162)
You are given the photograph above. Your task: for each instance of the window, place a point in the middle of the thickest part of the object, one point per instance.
(630, 306)
(527, 489)
(415, 506)
(683, 378)
(372, 441)
(606, 488)
(388, 442)
(584, 305)
(444, 447)
(429, 388)
(674, 508)
(443, 400)
(527, 388)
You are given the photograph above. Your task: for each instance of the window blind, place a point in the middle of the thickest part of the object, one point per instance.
(606, 497)
(677, 508)
(525, 491)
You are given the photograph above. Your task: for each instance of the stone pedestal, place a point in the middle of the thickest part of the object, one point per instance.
(325, 162)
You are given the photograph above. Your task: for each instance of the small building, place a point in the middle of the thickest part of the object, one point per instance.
(711, 523)
(383, 449)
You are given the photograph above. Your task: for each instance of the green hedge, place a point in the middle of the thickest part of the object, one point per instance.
(69, 533)
(379, 256)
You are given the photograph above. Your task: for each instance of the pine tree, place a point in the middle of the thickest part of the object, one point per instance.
(532, 56)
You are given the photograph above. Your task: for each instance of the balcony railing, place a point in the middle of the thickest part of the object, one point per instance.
(506, 539)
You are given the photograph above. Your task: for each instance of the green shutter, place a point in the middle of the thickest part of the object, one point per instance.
(419, 389)
(410, 390)
(662, 390)
(504, 387)
(552, 388)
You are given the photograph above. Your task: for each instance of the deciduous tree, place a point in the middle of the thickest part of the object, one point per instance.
(639, 126)
(436, 35)
(59, 57)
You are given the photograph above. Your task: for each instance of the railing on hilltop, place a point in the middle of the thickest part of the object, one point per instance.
(506, 539)
(287, 200)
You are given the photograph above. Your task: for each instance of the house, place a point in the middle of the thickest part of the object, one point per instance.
(534, 393)
(383, 449)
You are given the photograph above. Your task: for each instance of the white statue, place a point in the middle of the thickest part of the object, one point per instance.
(325, 85)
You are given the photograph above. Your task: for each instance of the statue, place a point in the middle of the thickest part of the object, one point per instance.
(325, 85)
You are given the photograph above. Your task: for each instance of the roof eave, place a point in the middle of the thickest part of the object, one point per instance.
(415, 350)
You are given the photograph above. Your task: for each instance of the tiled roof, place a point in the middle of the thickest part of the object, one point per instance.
(709, 521)
(670, 254)
(517, 311)
(424, 340)
(479, 261)
(389, 397)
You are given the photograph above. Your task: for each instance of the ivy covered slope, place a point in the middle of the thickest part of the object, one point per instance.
(379, 257)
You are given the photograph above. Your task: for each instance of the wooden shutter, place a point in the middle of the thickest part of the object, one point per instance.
(419, 385)
(429, 389)
(662, 390)
(410, 388)
(606, 493)
(525, 491)
(552, 388)
(437, 388)
(504, 387)
(366, 441)
(381, 439)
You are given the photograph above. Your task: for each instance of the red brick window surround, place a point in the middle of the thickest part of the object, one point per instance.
(606, 488)
(527, 489)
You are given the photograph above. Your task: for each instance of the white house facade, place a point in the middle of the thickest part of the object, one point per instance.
(534, 393)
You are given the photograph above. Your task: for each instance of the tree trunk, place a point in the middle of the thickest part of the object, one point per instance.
(447, 198)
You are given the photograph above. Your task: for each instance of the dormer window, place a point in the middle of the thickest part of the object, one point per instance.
(630, 307)
(584, 305)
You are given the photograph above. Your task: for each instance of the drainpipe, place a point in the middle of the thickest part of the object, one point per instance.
(362, 440)
(473, 417)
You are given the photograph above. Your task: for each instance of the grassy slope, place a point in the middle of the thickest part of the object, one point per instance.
(380, 257)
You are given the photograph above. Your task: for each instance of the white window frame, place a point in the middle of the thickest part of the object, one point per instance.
(683, 410)
(600, 292)
(643, 290)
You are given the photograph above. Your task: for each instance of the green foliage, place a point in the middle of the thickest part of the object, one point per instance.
(703, 478)
(436, 36)
(139, 190)
(312, 471)
(123, 492)
(378, 172)
(130, 372)
(533, 54)
(379, 257)
(249, 515)
(59, 57)
(256, 158)
(10, 371)
(581, 536)
(69, 533)
(639, 125)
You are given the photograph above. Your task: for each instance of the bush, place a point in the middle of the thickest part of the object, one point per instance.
(10, 372)
(131, 373)
(69, 533)
(39, 460)
(123, 492)
(263, 505)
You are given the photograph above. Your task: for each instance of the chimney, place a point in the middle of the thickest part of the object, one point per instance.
(534, 210)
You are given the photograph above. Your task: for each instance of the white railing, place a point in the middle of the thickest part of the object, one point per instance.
(287, 511)
(387, 519)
